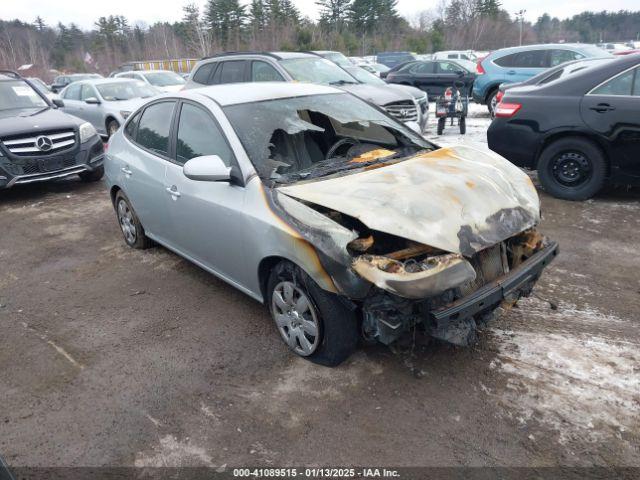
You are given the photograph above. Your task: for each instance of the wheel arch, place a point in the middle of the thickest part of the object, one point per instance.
(110, 118)
(113, 192)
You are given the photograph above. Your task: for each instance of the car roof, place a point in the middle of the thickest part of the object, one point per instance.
(102, 81)
(145, 71)
(277, 55)
(543, 46)
(236, 93)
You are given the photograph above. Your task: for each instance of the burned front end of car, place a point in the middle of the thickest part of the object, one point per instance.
(448, 295)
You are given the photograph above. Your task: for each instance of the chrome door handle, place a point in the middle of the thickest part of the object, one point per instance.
(603, 107)
(173, 191)
(126, 171)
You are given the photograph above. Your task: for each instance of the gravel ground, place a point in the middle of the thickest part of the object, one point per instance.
(118, 357)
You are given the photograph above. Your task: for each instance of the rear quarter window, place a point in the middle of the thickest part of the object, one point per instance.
(202, 74)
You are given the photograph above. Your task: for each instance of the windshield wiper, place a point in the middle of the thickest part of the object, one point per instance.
(40, 111)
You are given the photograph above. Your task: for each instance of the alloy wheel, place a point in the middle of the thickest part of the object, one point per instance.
(296, 318)
(127, 224)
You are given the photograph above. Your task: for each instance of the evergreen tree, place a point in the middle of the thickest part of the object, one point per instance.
(333, 13)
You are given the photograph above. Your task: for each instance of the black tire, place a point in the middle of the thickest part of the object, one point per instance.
(92, 175)
(139, 239)
(337, 326)
(441, 122)
(561, 179)
(462, 123)
(490, 102)
(112, 127)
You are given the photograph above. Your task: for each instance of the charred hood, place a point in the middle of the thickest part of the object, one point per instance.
(457, 199)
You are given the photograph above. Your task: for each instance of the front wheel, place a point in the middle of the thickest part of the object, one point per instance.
(572, 169)
(92, 175)
(312, 322)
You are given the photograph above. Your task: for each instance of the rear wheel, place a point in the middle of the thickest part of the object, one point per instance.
(312, 322)
(462, 123)
(132, 229)
(441, 122)
(492, 102)
(572, 169)
(112, 127)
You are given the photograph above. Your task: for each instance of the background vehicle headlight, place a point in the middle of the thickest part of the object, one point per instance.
(125, 113)
(86, 132)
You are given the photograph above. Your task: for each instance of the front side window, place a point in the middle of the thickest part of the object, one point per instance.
(87, 92)
(422, 68)
(448, 67)
(316, 70)
(17, 95)
(72, 92)
(620, 85)
(263, 72)
(153, 130)
(561, 56)
(199, 135)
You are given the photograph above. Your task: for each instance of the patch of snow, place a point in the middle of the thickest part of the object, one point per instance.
(174, 453)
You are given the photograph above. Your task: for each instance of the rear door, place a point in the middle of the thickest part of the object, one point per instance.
(423, 76)
(207, 218)
(517, 67)
(613, 111)
(71, 99)
(144, 167)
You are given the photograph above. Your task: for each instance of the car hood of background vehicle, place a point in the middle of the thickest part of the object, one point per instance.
(416, 93)
(457, 199)
(126, 105)
(379, 95)
(14, 122)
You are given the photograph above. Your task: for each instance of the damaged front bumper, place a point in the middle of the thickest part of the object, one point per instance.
(387, 317)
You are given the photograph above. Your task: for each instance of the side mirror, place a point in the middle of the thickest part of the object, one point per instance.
(208, 168)
(58, 102)
(92, 101)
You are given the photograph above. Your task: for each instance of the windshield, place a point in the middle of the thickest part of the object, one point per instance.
(338, 58)
(39, 84)
(164, 79)
(300, 138)
(363, 76)
(19, 95)
(125, 90)
(316, 70)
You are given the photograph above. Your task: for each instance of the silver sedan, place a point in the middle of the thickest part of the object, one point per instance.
(340, 219)
(105, 103)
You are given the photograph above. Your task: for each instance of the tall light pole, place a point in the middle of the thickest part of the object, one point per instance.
(520, 16)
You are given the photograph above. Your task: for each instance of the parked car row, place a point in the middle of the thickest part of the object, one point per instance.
(578, 126)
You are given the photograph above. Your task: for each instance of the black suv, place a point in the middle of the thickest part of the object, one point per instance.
(39, 142)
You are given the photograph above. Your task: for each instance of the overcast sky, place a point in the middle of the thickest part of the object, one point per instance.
(85, 12)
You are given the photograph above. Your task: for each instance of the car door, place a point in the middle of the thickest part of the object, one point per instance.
(612, 110)
(144, 167)
(71, 99)
(422, 76)
(207, 218)
(92, 112)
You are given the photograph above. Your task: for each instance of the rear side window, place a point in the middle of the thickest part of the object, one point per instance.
(153, 130)
(232, 71)
(620, 85)
(130, 129)
(72, 92)
(199, 135)
(263, 72)
(448, 67)
(203, 73)
(529, 59)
